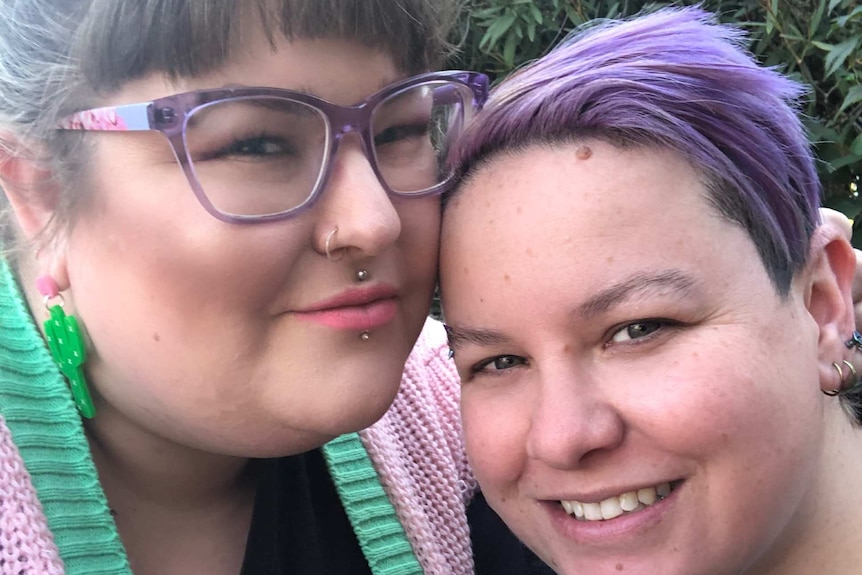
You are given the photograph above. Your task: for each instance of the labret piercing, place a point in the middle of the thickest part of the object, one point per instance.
(361, 275)
(364, 336)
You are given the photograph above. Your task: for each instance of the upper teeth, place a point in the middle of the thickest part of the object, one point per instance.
(618, 504)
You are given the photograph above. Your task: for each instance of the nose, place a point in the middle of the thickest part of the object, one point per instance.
(573, 420)
(356, 203)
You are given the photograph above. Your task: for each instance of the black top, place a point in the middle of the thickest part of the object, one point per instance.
(299, 527)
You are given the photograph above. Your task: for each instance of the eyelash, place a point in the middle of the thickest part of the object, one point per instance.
(479, 368)
(662, 326)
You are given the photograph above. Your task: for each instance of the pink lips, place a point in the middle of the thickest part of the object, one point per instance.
(357, 309)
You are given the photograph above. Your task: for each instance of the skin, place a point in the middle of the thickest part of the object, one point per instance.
(197, 357)
(613, 332)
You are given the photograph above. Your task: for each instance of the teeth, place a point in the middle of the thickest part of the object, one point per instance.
(628, 501)
(592, 511)
(578, 509)
(612, 507)
(647, 496)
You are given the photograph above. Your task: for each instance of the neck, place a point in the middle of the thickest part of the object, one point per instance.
(136, 463)
(826, 539)
(177, 509)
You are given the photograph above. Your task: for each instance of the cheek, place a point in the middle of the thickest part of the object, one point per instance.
(495, 434)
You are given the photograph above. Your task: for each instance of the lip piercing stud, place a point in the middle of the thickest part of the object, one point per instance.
(364, 336)
(362, 275)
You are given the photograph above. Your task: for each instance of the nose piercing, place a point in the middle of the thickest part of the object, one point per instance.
(326, 243)
(361, 275)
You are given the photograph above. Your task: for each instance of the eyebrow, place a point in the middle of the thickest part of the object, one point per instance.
(460, 336)
(666, 282)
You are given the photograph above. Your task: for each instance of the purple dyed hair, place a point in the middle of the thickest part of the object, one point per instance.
(677, 80)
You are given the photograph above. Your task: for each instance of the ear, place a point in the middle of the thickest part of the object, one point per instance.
(28, 185)
(828, 279)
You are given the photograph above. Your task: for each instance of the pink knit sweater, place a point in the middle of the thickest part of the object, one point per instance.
(416, 449)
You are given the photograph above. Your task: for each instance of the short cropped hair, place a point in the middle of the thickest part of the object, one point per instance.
(673, 79)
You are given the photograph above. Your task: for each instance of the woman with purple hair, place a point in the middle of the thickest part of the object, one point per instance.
(654, 331)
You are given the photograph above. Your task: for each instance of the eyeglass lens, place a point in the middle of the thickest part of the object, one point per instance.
(265, 155)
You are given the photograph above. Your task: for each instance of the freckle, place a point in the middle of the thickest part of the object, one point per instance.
(583, 153)
(156, 337)
(567, 348)
(507, 278)
(610, 259)
(481, 300)
(529, 251)
(620, 567)
(466, 270)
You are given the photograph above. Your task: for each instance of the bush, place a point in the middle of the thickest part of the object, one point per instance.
(819, 42)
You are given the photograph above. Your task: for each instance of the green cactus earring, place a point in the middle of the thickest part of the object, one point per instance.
(66, 345)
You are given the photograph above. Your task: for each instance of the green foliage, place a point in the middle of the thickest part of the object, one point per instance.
(819, 42)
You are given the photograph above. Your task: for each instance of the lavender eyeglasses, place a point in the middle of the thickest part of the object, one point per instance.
(263, 154)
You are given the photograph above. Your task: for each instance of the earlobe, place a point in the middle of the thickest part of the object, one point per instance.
(29, 188)
(829, 277)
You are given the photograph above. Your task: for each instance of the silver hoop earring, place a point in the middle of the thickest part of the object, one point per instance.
(326, 247)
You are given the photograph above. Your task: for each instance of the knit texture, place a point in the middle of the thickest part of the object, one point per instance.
(418, 451)
(380, 535)
(37, 408)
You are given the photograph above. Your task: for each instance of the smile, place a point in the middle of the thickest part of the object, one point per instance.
(612, 507)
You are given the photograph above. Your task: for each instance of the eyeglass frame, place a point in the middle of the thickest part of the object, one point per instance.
(169, 115)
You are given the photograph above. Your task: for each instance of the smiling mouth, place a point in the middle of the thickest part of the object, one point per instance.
(623, 504)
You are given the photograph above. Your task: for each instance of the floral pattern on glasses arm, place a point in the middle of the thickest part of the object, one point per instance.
(130, 117)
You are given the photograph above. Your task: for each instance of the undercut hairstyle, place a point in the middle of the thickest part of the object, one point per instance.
(677, 80)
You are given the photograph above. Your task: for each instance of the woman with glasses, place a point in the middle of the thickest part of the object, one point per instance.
(221, 231)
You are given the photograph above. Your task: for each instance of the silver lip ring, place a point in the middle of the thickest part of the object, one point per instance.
(326, 243)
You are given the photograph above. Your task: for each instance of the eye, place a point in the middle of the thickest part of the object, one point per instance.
(401, 132)
(258, 146)
(498, 364)
(637, 330)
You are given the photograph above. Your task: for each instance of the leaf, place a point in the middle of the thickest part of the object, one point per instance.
(839, 53)
(509, 51)
(537, 14)
(815, 20)
(498, 28)
(842, 21)
(833, 4)
(854, 96)
(823, 45)
(856, 146)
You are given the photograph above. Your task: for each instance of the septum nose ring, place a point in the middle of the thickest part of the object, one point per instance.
(327, 246)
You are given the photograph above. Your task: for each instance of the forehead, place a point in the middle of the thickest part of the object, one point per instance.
(589, 210)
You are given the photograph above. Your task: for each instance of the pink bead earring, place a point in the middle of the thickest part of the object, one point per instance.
(66, 344)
